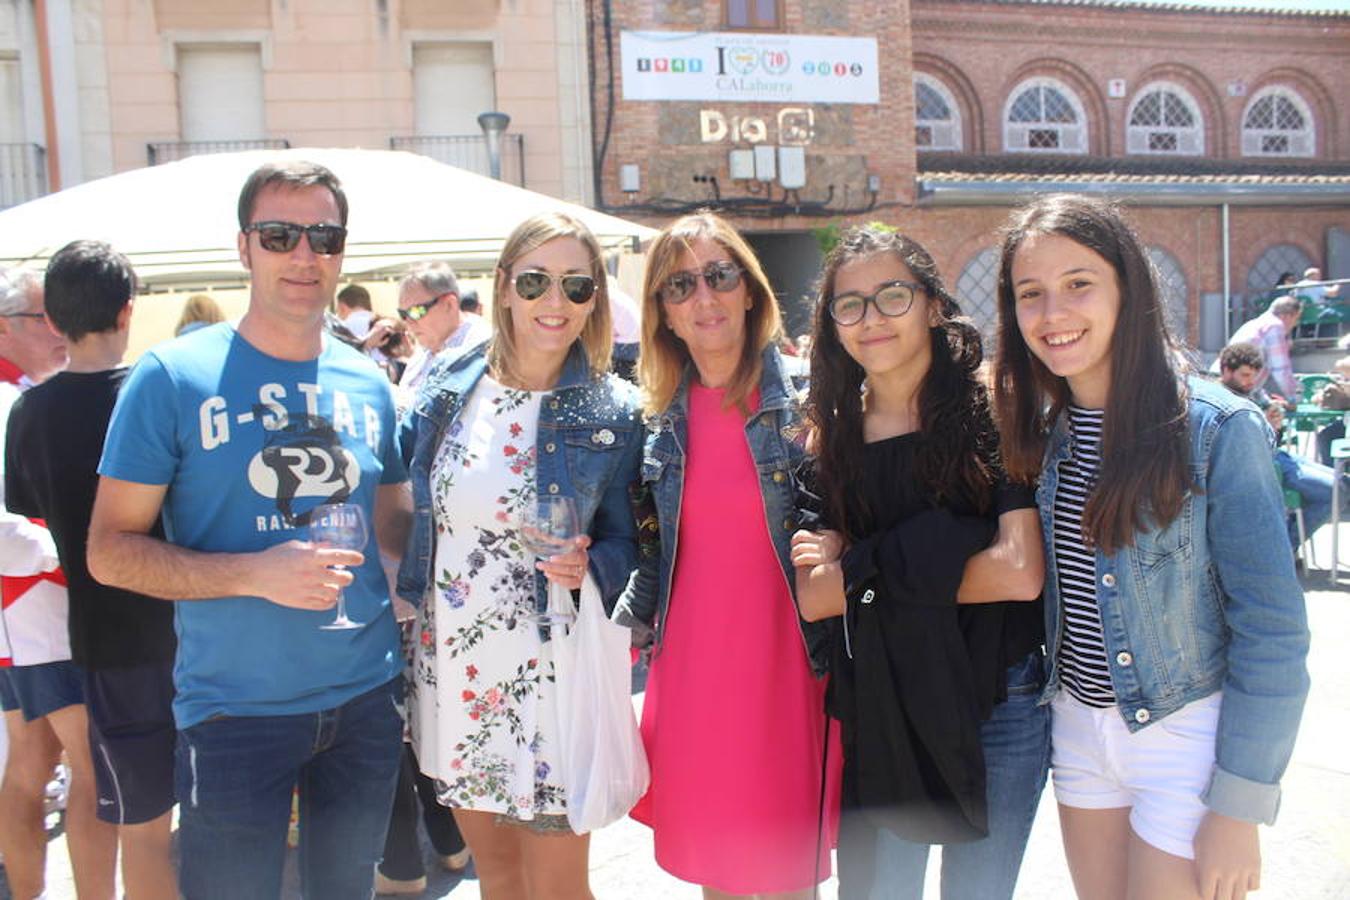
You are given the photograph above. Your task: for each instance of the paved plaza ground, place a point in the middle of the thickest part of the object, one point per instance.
(1306, 857)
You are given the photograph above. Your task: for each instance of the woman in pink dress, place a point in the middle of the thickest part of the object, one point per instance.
(733, 719)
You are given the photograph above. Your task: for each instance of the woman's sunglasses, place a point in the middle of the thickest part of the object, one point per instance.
(282, 237)
(532, 285)
(721, 276)
(892, 299)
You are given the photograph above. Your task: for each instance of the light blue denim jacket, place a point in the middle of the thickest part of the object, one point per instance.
(1204, 605)
(644, 604)
(588, 445)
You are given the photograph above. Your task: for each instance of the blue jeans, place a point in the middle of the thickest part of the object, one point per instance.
(235, 777)
(1313, 482)
(1016, 741)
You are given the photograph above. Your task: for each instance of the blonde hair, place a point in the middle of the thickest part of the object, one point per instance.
(597, 337)
(663, 356)
(199, 308)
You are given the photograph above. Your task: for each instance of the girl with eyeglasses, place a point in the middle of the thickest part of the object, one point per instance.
(733, 717)
(531, 413)
(923, 562)
(1176, 626)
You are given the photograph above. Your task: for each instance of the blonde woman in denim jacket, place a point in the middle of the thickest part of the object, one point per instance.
(1174, 621)
(531, 413)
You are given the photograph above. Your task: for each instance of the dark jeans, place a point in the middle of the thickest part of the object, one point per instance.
(402, 850)
(235, 776)
(1016, 741)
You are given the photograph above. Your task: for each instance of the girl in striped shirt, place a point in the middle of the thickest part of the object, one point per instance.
(1176, 633)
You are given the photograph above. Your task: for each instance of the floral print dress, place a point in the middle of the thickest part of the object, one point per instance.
(483, 704)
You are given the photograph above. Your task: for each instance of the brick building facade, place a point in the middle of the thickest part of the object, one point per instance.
(1219, 128)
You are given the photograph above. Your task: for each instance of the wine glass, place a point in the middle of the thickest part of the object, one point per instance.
(547, 528)
(340, 525)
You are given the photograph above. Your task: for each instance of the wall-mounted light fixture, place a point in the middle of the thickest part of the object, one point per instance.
(494, 125)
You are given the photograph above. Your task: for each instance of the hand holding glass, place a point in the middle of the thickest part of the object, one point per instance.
(549, 527)
(340, 525)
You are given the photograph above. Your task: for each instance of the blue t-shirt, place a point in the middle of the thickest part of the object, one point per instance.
(248, 444)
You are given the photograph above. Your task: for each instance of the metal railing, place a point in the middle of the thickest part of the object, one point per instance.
(172, 151)
(468, 151)
(23, 173)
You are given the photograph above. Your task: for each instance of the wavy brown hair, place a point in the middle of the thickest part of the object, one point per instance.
(1144, 476)
(663, 356)
(957, 456)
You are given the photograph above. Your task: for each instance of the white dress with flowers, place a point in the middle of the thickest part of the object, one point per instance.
(483, 706)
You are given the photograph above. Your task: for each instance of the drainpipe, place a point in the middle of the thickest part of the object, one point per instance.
(48, 101)
(1227, 288)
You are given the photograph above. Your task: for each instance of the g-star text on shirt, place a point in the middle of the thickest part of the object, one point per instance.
(215, 417)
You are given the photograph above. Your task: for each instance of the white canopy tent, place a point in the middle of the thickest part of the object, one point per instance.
(177, 221)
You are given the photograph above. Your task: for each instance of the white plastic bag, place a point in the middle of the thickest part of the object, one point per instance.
(604, 768)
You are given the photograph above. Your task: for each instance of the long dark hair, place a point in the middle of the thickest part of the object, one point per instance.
(957, 456)
(1144, 476)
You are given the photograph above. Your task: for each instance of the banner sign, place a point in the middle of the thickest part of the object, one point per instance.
(748, 67)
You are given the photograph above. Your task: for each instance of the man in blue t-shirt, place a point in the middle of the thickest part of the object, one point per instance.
(234, 434)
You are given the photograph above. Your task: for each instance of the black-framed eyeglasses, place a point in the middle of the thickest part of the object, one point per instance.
(533, 284)
(282, 237)
(22, 316)
(721, 276)
(418, 310)
(893, 299)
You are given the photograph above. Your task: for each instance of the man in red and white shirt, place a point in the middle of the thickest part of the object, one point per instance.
(41, 690)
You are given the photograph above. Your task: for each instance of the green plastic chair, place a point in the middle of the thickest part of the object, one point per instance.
(1293, 506)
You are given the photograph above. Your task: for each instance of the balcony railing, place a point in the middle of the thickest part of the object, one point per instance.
(468, 151)
(172, 151)
(23, 173)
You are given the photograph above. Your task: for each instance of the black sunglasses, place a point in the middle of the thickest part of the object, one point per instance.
(893, 299)
(282, 237)
(418, 310)
(721, 276)
(532, 285)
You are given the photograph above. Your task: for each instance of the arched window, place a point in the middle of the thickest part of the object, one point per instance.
(1044, 115)
(1175, 292)
(937, 117)
(1278, 123)
(977, 293)
(1165, 119)
(1274, 262)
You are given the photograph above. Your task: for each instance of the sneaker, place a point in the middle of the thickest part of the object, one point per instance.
(402, 886)
(457, 862)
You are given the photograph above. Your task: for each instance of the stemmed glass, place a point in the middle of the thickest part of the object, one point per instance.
(340, 525)
(547, 528)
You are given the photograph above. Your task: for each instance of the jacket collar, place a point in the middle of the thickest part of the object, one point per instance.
(459, 376)
(775, 389)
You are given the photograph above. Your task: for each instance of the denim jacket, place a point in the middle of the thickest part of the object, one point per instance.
(588, 444)
(644, 604)
(1204, 605)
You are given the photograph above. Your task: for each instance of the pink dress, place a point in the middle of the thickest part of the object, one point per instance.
(733, 719)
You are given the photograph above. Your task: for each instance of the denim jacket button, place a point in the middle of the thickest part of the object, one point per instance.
(553, 488)
(1109, 580)
(778, 477)
(553, 404)
(1141, 716)
(787, 524)
(1124, 658)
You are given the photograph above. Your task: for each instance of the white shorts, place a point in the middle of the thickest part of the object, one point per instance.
(1159, 772)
